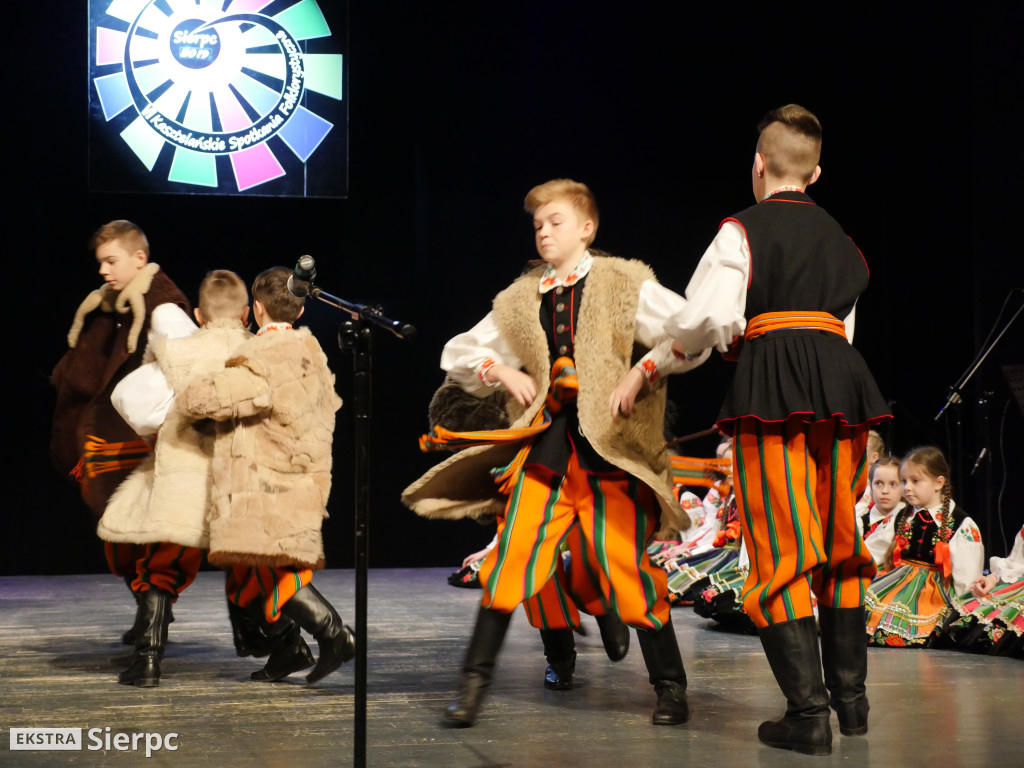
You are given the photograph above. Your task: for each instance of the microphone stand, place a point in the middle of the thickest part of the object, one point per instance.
(956, 392)
(356, 338)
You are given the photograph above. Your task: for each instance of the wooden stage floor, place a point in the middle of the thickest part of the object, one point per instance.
(60, 655)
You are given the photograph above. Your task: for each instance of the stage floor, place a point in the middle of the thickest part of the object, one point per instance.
(60, 655)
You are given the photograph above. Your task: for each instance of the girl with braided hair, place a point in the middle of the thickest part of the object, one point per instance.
(926, 553)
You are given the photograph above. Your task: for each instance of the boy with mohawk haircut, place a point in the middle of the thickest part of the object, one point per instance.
(573, 341)
(781, 282)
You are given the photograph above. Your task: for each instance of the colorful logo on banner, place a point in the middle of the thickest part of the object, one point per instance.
(186, 84)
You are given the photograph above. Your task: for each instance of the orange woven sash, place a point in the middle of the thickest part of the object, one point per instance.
(564, 387)
(777, 321)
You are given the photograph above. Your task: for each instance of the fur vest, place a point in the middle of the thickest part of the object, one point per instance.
(275, 404)
(167, 498)
(605, 350)
(104, 347)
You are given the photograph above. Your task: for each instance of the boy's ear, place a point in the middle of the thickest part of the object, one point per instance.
(197, 313)
(588, 228)
(140, 258)
(815, 175)
(303, 309)
(759, 165)
(245, 315)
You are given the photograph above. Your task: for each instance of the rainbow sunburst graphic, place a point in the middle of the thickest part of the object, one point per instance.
(209, 79)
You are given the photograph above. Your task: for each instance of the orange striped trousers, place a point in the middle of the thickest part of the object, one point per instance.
(796, 486)
(615, 514)
(273, 586)
(568, 591)
(169, 567)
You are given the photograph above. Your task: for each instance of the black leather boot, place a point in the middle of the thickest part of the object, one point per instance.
(336, 641)
(560, 650)
(844, 657)
(614, 635)
(246, 632)
(478, 667)
(288, 651)
(128, 638)
(665, 671)
(792, 651)
(151, 622)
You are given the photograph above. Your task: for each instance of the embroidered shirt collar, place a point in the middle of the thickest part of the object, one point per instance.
(784, 188)
(549, 280)
(274, 327)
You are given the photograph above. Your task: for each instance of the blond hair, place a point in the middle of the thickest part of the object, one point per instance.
(129, 233)
(578, 195)
(222, 296)
(790, 140)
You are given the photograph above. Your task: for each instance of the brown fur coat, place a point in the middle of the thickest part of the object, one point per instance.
(605, 350)
(275, 402)
(167, 498)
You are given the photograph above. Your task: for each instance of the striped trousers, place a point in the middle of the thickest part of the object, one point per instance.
(796, 486)
(614, 515)
(272, 586)
(164, 566)
(569, 590)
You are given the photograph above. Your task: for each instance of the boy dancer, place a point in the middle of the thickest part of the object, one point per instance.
(783, 276)
(89, 440)
(275, 403)
(572, 324)
(167, 499)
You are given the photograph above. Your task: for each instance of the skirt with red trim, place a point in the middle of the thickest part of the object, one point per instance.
(993, 624)
(816, 375)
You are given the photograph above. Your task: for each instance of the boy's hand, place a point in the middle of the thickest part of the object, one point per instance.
(623, 397)
(518, 384)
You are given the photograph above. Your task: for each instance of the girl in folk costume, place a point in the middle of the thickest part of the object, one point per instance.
(929, 551)
(990, 618)
(886, 495)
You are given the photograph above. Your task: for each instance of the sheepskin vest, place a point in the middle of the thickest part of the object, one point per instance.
(604, 352)
(168, 497)
(104, 343)
(275, 404)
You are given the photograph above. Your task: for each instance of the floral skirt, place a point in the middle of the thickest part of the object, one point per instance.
(685, 572)
(718, 597)
(905, 605)
(992, 624)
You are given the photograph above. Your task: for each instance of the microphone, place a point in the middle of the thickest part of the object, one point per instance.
(304, 273)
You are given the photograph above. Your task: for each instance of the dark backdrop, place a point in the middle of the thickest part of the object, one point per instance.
(457, 109)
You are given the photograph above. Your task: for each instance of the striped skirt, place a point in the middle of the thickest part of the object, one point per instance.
(992, 624)
(685, 572)
(906, 605)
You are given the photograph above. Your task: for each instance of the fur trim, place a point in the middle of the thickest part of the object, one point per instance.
(455, 409)
(130, 298)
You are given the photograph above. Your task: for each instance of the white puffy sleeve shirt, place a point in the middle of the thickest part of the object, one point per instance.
(714, 310)
(467, 355)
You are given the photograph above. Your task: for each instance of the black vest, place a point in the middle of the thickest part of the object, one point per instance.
(800, 258)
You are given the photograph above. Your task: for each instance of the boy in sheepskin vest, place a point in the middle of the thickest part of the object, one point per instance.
(572, 342)
(167, 498)
(89, 440)
(274, 404)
